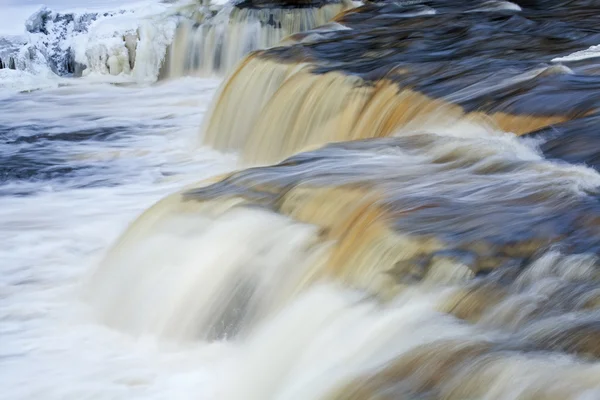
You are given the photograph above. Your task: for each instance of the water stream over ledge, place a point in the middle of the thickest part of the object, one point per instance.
(398, 203)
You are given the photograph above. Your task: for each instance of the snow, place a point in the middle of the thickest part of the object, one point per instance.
(70, 37)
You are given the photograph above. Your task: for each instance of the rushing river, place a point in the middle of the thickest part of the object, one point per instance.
(401, 204)
(78, 164)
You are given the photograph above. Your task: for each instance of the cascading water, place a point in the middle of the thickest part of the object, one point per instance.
(421, 219)
(442, 258)
(216, 298)
(269, 258)
(215, 45)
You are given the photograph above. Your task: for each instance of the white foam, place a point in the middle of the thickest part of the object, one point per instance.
(50, 348)
(593, 51)
(191, 272)
(14, 80)
(327, 336)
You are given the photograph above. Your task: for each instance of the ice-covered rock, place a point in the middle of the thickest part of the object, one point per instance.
(129, 42)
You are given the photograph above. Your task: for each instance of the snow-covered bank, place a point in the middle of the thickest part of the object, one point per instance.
(127, 41)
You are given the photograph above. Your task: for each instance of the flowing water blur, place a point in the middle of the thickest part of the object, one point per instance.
(78, 163)
(443, 257)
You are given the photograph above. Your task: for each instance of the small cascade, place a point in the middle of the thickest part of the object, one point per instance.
(313, 109)
(216, 45)
(358, 79)
(225, 294)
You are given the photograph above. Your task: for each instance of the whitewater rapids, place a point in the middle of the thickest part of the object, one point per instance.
(140, 264)
(83, 162)
(55, 229)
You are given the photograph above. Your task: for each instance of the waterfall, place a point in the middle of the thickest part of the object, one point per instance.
(415, 214)
(330, 274)
(216, 45)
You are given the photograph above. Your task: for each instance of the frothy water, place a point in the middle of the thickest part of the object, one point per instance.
(123, 148)
(449, 260)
